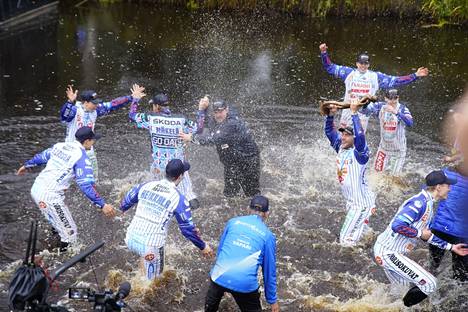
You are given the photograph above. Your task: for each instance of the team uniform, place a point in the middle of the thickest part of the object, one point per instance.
(359, 84)
(65, 161)
(351, 172)
(75, 117)
(164, 128)
(401, 236)
(158, 202)
(391, 153)
(245, 245)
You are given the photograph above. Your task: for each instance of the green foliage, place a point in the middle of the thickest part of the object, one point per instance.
(446, 11)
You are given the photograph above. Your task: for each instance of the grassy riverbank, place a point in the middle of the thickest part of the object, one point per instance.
(439, 12)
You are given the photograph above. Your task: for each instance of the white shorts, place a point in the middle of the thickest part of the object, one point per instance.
(53, 207)
(402, 270)
(153, 257)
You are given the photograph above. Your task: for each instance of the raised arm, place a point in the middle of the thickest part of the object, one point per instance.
(107, 107)
(68, 110)
(187, 228)
(338, 71)
(372, 109)
(361, 150)
(405, 115)
(269, 270)
(388, 81)
(331, 133)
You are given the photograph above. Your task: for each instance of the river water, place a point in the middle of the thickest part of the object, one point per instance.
(269, 67)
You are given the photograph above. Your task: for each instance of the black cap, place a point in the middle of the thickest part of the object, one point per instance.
(176, 167)
(259, 203)
(89, 96)
(219, 105)
(348, 130)
(391, 94)
(363, 58)
(86, 133)
(439, 177)
(160, 99)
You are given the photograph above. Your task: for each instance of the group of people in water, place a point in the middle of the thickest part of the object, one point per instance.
(247, 243)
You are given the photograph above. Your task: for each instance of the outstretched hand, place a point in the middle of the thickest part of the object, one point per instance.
(71, 95)
(323, 47)
(108, 210)
(460, 249)
(422, 72)
(137, 91)
(21, 171)
(186, 137)
(208, 252)
(354, 107)
(204, 103)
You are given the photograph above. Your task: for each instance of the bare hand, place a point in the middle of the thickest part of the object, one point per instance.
(426, 234)
(422, 72)
(275, 307)
(186, 137)
(323, 47)
(460, 249)
(137, 91)
(354, 107)
(108, 211)
(204, 103)
(208, 252)
(333, 109)
(71, 95)
(391, 109)
(21, 171)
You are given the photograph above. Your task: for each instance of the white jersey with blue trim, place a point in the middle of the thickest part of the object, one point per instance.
(59, 171)
(352, 177)
(157, 203)
(416, 212)
(82, 118)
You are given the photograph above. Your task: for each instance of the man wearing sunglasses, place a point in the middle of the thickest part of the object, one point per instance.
(360, 81)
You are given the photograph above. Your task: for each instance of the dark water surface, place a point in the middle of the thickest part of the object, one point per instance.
(269, 67)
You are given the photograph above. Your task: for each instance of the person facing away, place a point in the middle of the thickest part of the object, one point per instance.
(76, 114)
(245, 245)
(360, 81)
(164, 128)
(235, 146)
(409, 225)
(64, 162)
(157, 202)
(394, 117)
(352, 157)
(450, 223)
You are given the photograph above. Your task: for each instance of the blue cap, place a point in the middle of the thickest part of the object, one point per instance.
(219, 105)
(349, 130)
(439, 177)
(86, 133)
(363, 58)
(176, 167)
(391, 94)
(259, 203)
(89, 96)
(160, 99)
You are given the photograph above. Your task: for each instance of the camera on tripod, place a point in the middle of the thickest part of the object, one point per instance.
(30, 285)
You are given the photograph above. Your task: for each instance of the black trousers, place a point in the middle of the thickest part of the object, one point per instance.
(459, 263)
(243, 173)
(247, 302)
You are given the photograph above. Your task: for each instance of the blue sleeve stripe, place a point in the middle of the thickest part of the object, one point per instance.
(408, 217)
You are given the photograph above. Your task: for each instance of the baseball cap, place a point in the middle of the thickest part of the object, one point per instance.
(219, 105)
(391, 94)
(86, 133)
(259, 203)
(439, 177)
(348, 130)
(160, 99)
(363, 58)
(89, 96)
(176, 167)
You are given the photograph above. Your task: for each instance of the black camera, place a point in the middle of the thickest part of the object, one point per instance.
(103, 301)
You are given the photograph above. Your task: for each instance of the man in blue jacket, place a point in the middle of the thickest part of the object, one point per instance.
(451, 224)
(246, 244)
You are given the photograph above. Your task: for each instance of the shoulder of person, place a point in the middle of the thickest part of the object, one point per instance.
(418, 201)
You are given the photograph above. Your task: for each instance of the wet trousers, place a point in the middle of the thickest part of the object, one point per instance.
(247, 302)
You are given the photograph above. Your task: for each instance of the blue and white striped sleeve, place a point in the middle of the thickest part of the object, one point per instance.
(131, 198)
(85, 179)
(409, 214)
(184, 219)
(39, 159)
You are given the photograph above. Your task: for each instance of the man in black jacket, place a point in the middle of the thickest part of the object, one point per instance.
(235, 145)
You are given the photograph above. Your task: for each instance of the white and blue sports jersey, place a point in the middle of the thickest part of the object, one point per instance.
(158, 202)
(75, 116)
(65, 161)
(351, 165)
(246, 244)
(392, 126)
(403, 233)
(164, 128)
